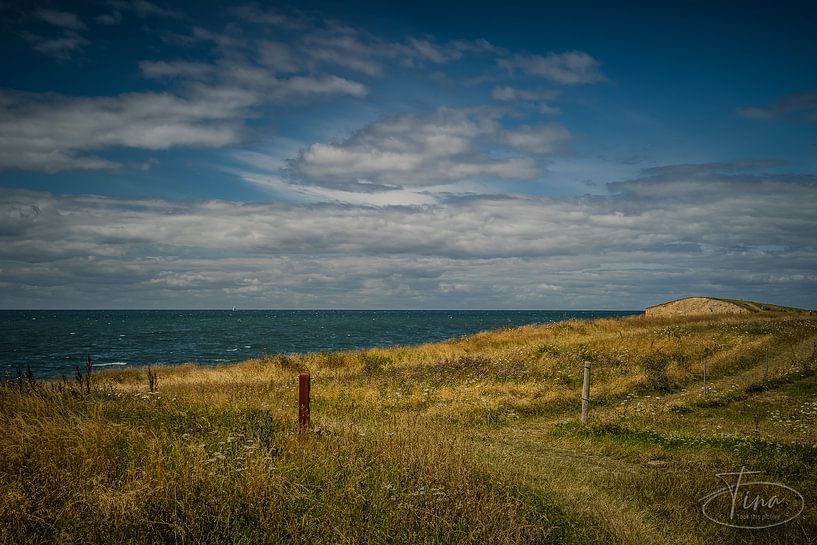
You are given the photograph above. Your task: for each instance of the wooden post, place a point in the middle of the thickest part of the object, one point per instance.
(706, 388)
(766, 370)
(303, 401)
(586, 392)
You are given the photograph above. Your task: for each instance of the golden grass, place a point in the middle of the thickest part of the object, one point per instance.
(470, 440)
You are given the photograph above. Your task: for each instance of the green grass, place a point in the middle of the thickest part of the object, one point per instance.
(473, 440)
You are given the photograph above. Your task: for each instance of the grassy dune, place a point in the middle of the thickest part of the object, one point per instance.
(471, 440)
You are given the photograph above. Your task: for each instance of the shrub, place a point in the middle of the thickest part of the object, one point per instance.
(373, 363)
(333, 360)
(289, 363)
(655, 372)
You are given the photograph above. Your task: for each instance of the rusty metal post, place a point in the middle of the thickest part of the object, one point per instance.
(303, 401)
(586, 392)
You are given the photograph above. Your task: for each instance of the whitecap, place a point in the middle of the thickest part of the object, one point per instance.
(232, 350)
(110, 363)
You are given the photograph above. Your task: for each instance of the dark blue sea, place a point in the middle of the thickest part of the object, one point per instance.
(53, 342)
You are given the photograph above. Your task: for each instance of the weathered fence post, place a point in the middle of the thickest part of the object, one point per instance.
(586, 392)
(766, 370)
(303, 401)
(706, 387)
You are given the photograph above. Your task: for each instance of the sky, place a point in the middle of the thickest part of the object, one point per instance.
(380, 155)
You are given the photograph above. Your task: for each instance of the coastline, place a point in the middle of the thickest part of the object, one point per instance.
(476, 438)
(53, 342)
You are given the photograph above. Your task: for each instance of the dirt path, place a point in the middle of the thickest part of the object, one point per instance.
(592, 487)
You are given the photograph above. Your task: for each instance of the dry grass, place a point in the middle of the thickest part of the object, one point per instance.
(470, 440)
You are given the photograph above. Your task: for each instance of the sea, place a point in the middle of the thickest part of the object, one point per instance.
(53, 342)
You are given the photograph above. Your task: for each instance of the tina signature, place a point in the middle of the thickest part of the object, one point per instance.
(751, 504)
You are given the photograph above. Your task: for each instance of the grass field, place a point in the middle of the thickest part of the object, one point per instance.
(472, 440)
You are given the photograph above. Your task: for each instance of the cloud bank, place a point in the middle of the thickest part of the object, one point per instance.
(662, 234)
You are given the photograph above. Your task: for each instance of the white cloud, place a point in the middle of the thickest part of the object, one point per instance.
(801, 106)
(304, 86)
(143, 8)
(655, 237)
(354, 49)
(240, 76)
(540, 140)
(506, 92)
(442, 147)
(278, 56)
(140, 8)
(753, 112)
(209, 105)
(255, 14)
(428, 50)
(60, 47)
(317, 194)
(548, 109)
(569, 68)
(51, 132)
(176, 69)
(62, 19)
(113, 18)
(346, 47)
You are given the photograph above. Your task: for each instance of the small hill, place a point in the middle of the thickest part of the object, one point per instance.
(690, 306)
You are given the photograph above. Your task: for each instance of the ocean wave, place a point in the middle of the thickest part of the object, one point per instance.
(110, 363)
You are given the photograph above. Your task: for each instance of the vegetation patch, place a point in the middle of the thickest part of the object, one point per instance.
(473, 440)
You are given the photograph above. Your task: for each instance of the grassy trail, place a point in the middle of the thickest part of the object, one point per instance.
(620, 487)
(580, 482)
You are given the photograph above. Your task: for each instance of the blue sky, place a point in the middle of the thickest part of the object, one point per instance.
(426, 155)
